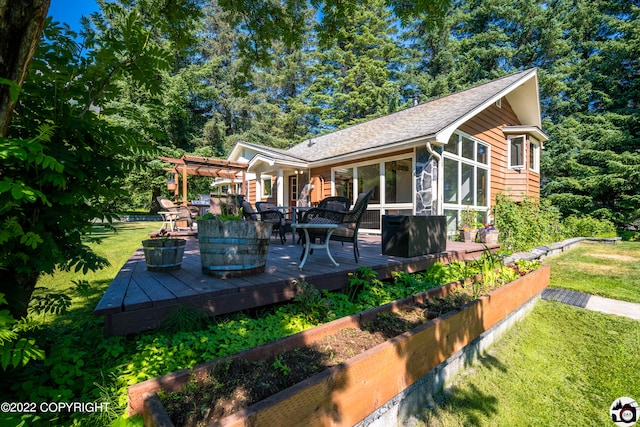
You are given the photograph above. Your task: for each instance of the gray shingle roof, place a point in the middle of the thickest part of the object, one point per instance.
(423, 120)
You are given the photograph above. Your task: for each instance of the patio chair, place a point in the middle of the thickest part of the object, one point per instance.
(229, 204)
(182, 213)
(335, 203)
(268, 213)
(349, 221)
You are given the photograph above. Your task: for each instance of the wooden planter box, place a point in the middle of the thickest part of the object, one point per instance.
(346, 394)
(468, 235)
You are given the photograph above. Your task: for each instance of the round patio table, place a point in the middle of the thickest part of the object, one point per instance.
(308, 245)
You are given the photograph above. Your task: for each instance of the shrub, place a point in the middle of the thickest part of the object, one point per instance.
(527, 223)
(587, 226)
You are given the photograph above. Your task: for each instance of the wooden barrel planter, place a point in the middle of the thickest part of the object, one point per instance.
(233, 248)
(163, 254)
(348, 393)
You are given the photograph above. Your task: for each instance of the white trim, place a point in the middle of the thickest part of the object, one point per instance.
(529, 130)
(263, 187)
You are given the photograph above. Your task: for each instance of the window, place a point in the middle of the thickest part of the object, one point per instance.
(398, 176)
(534, 154)
(344, 182)
(267, 188)
(516, 152)
(369, 178)
(466, 177)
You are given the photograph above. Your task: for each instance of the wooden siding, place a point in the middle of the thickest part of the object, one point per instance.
(487, 126)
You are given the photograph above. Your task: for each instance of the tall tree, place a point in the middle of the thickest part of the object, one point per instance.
(354, 78)
(21, 23)
(592, 164)
(67, 148)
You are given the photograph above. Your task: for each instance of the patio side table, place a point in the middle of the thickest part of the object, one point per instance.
(168, 221)
(308, 245)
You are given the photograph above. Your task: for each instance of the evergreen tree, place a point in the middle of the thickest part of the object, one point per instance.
(592, 162)
(354, 79)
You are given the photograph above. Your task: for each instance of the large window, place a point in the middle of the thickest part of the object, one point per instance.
(368, 178)
(516, 152)
(466, 177)
(392, 181)
(534, 154)
(398, 175)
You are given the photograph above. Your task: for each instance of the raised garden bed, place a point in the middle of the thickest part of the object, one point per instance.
(348, 392)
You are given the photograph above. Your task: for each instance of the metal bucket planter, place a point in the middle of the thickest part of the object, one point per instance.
(163, 254)
(233, 248)
(348, 393)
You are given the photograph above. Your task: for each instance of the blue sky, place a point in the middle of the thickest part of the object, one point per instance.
(70, 11)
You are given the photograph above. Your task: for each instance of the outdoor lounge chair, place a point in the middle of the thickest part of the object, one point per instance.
(349, 221)
(182, 213)
(268, 213)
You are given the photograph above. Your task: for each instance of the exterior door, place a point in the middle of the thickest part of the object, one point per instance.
(293, 190)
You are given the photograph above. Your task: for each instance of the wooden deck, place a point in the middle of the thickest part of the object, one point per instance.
(139, 300)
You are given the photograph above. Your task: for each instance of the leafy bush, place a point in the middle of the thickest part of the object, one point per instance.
(587, 226)
(526, 224)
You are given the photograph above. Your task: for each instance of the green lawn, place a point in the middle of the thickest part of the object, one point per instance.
(117, 248)
(611, 271)
(561, 365)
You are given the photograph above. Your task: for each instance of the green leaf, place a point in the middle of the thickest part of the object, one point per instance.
(14, 88)
(31, 239)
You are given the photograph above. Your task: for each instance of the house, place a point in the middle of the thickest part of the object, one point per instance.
(436, 158)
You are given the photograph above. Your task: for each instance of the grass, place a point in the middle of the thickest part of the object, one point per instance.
(611, 271)
(561, 365)
(80, 363)
(116, 247)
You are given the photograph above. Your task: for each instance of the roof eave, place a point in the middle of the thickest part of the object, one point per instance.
(530, 130)
(377, 151)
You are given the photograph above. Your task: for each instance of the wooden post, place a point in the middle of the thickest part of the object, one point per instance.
(184, 184)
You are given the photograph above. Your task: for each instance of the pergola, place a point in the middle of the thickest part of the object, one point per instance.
(205, 166)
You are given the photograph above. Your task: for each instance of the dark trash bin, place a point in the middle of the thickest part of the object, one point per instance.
(412, 235)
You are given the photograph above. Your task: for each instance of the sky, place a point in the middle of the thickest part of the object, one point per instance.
(70, 11)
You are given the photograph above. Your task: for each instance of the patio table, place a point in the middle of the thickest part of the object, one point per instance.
(309, 245)
(168, 220)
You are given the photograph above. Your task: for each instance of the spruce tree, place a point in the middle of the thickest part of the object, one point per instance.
(355, 77)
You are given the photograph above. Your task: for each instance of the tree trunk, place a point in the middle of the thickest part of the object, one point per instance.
(21, 24)
(17, 288)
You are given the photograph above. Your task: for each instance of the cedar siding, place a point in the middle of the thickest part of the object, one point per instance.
(487, 126)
